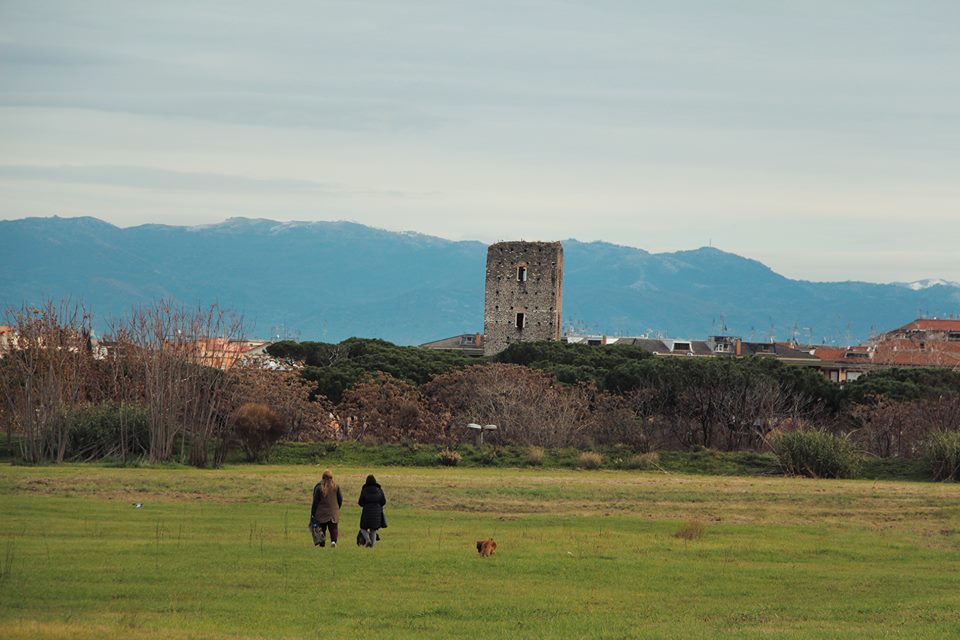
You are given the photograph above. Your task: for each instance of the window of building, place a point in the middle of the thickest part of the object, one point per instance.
(521, 320)
(521, 274)
(681, 346)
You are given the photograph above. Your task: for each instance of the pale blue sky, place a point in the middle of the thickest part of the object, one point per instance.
(820, 137)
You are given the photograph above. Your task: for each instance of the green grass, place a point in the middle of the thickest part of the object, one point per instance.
(582, 554)
(698, 461)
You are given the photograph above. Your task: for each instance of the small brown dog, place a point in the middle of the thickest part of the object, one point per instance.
(486, 547)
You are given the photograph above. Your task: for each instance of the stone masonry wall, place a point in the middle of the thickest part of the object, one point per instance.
(522, 278)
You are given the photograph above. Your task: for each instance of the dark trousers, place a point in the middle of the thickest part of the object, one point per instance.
(334, 530)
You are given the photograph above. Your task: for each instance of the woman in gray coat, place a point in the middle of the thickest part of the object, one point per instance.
(371, 518)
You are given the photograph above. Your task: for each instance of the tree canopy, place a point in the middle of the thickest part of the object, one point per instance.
(334, 368)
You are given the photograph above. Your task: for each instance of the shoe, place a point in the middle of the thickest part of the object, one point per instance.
(333, 544)
(321, 544)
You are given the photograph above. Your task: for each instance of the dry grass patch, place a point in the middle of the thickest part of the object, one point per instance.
(654, 496)
(691, 530)
(449, 458)
(536, 456)
(644, 461)
(589, 460)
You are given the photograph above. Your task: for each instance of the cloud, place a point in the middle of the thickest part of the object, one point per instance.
(665, 124)
(295, 111)
(47, 55)
(148, 178)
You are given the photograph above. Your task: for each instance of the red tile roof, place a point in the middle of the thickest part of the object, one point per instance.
(857, 354)
(830, 354)
(930, 325)
(917, 352)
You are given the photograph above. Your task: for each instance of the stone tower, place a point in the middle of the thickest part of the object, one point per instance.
(524, 294)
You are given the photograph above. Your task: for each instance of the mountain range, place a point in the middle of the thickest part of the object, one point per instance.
(332, 280)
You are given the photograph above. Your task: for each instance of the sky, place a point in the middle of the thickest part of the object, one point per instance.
(819, 137)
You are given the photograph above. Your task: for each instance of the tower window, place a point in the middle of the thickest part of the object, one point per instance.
(521, 274)
(521, 320)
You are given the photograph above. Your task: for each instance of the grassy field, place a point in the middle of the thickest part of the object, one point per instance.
(226, 553)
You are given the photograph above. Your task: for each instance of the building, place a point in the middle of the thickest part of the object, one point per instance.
(842, 364)
(470, 344)
(8, 339)
(714, 346)
(921, 343)
(223, 353)
(524, 294)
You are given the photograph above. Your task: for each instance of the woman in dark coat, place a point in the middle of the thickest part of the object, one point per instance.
(371, 518)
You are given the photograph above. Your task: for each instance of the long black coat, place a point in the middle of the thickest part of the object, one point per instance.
(372, 500)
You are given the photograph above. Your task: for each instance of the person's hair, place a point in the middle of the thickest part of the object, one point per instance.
(326, 482)
(371, 479)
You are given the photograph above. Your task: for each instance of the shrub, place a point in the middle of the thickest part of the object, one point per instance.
(535, 456)
(589, 460)
(943, 455)
(643, 461)
(816, 453)
(100, 431)
(258, 428)
(489, 455)
(690, 530)
(448, 458)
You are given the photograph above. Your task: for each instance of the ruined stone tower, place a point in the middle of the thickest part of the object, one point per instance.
(524, 294)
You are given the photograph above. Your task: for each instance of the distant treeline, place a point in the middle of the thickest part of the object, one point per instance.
(335, 367)
(155, 389)
(625, 395)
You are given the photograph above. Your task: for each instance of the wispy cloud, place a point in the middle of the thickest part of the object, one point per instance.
(164, 180)
(159, 179)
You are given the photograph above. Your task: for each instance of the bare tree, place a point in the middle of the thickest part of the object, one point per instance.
(181, 355)
(527, 406)
(888, 428)
(388, 410)
(120, 379)
(718, 405)
(46, 371)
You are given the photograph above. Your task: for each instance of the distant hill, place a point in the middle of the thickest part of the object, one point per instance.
(331, 280)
